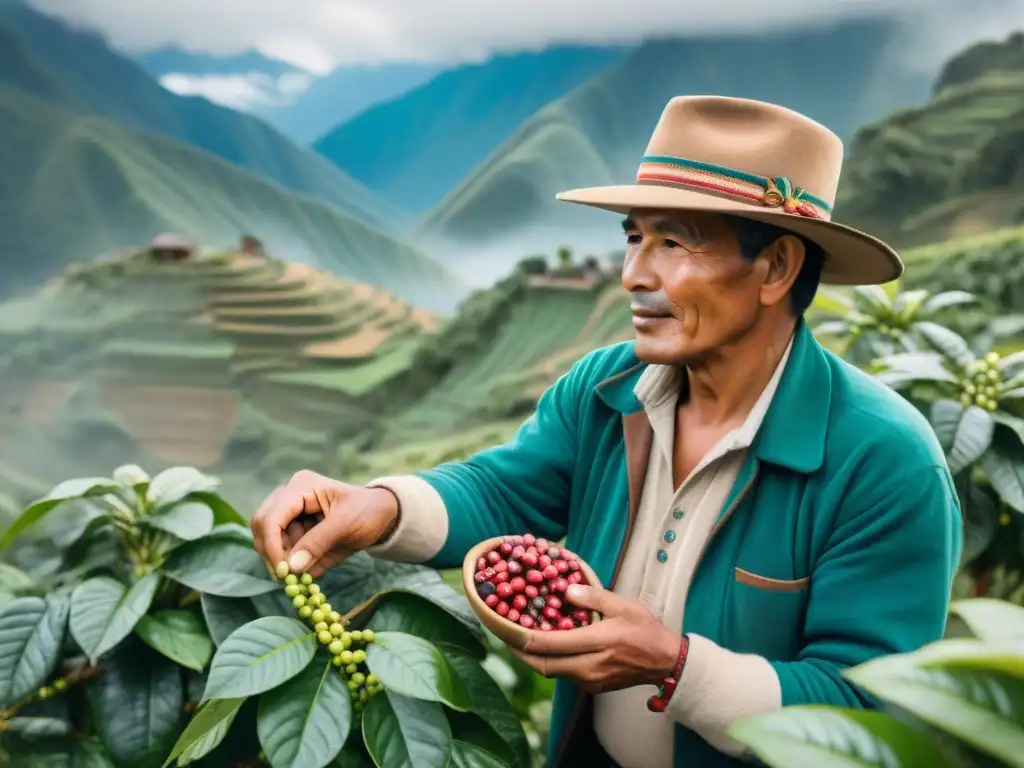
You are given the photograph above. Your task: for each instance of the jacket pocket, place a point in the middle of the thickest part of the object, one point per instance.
(772, 585)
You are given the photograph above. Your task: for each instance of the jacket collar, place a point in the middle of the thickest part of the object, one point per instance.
(793, 432)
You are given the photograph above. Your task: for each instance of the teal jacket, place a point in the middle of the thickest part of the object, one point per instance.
(845, 486)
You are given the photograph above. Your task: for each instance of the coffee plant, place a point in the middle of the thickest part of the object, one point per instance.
(138, 627)
(875, 321)
(974, 400)
(953, 704)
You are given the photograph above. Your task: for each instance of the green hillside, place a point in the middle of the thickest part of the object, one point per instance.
(416, 148)
(949, 168)
(597, 133)
(76, 70)
(232, 361)
(75, 187)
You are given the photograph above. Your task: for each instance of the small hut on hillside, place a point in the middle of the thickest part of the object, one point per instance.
(169, 247)
(253, 246)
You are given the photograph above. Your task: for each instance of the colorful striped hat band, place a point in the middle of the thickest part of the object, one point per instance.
(771, 191)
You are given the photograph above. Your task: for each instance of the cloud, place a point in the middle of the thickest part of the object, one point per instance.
(326, 33)
(242, 91)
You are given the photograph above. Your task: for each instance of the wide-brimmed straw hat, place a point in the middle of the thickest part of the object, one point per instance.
(755, 160)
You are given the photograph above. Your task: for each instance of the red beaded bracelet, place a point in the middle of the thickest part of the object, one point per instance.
(659, 702)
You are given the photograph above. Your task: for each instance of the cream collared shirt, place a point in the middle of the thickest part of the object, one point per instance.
(673, 525)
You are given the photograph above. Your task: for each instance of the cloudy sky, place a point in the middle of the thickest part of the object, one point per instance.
(318, 35)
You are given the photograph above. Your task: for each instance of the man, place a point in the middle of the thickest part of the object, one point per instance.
(763, 514)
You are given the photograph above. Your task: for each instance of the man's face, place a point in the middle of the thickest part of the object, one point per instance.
(692, 290)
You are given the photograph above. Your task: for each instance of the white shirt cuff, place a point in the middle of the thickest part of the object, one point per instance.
(718, 688)
(423, 525)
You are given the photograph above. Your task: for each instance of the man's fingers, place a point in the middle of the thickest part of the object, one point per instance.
(573, 642)
(605, 602)
(318, 542)
(288, 504)
(332, 559)
(559, 666)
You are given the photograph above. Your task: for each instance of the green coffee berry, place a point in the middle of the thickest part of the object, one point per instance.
(281, 570)
(363, 695)
(359, 656)
(318, 615)
(992, 358)
(306, 579)
(336, 661)
(335, 617)
(353, 685)
(46, 692)
(60, 684)
(305, 612)
(336, 629)
(351, 669)
(292, 590)
(320, 626)
(357, 636)
(314, 589)
(326, 607)
(291, 580)
(359, 678)
(325, 637)
(335, 647)
(346, 657)
(372, 679)
(368, 636)
(358, 706)
(299, 601)
(316, 600)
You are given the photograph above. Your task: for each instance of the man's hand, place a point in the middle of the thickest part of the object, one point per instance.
(314, 522)
(628, 647)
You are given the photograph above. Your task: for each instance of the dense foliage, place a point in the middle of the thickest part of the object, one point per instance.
(958, 703)
(139, 627)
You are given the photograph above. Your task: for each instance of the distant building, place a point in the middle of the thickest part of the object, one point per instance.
(168, 247)
(591, 267)
(253, 246)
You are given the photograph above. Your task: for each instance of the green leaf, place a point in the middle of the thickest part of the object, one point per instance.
(223, 513)
(174, 484)
(89, 754)
(220, 566)
(187, 520)
(1011, 365)
(400, 732)
(909, 367)
(947, 299)
(205, 731)
(971, 437)
(832, 303)
(136, 705)
(907, 304)
(1011, 422)
(103, 612)
(466, 755)
(413, 667)
(947, 343)
(815, 736)
(70, 489)
(493, 707)
(226, 614)
(31, 638)
(832, 328)
(413, 615)
(990, 619)
(945, 417)
(37, 728)
(13, 579)
(259, 656)
(980, 517)
(305, 722)
(131, 476)
(178, 635)
(1006, 473)
(872, 300)
(976, 706)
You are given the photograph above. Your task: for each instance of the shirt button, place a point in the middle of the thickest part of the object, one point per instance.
(677, 513)
(662, 555)
(670, 536)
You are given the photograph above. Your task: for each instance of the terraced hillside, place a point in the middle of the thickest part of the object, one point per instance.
(950, 168)
(75, 187)
(215, 362)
